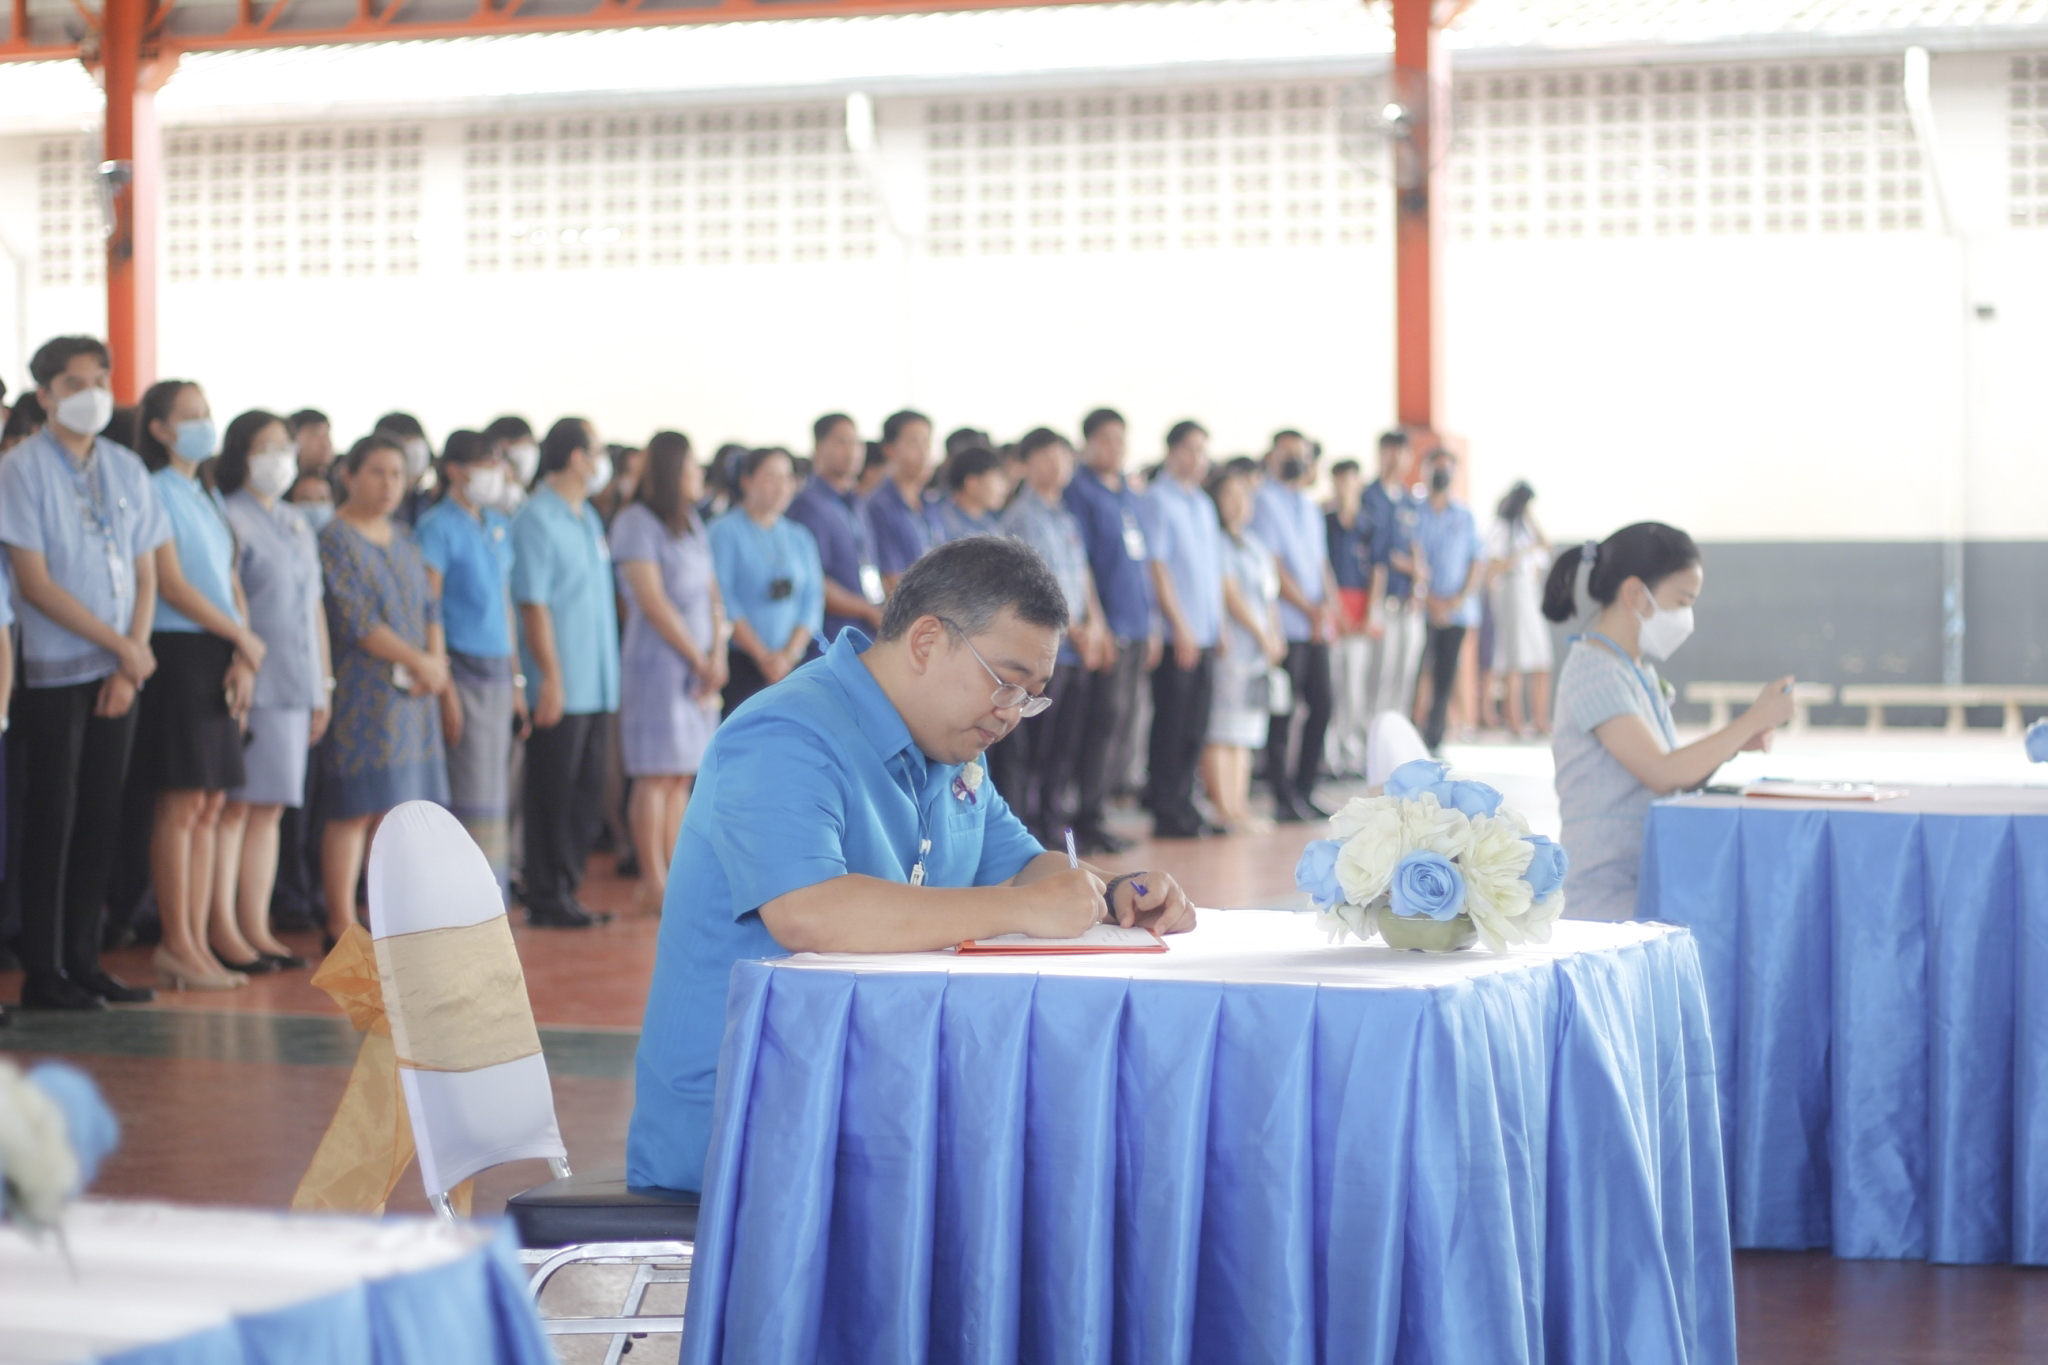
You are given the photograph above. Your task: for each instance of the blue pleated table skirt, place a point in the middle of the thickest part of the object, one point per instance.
(1878, 981)
(1256, 1147)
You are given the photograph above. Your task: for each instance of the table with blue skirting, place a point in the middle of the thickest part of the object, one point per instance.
(156, 1284)
(1255, 1147)
(1878, 981)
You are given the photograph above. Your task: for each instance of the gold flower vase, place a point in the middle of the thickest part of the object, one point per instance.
(1420, 934)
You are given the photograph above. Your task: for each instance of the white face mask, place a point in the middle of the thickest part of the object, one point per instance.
(525, 458)
(486, 486)
(599, 476)
(272, 472)
(1663, 630)
(417, 456)
(86, 412)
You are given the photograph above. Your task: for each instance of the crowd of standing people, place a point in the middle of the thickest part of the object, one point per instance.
(239, 648)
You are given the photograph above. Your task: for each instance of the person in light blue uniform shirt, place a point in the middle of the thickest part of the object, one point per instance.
(1186, 543)
(773, 581)
(977, 487)
(569, 648)
(1290, 523)
(279, 566)
(466, 543)
(188, 742)
(81, 522)
(1447, 539)
(1390, 507)
(1614, 744)
(846, 811)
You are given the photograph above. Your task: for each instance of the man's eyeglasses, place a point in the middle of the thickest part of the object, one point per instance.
(1007, 694)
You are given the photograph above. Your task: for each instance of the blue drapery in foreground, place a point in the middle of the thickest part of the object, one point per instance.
(932, 1167)
(469, 1311)
(1878, 979)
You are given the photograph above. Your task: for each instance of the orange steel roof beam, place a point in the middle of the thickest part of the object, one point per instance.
(255, 26)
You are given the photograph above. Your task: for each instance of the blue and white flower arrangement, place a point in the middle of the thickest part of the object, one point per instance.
(2037, 742)
(1433, 863)
(55, 1130)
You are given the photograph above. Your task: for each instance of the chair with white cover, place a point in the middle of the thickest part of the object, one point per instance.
(1391, 741)
(475, 1081)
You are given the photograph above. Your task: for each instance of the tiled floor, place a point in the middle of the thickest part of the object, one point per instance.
(223, 1097)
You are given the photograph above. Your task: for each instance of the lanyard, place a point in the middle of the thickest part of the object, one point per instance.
(89, 486)
(1657, 708)
(924, 832)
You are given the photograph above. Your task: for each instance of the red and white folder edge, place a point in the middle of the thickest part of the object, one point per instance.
(1103, 938)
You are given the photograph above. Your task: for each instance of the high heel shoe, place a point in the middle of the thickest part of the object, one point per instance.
(284, 962)
(179, 975)
(258, 965)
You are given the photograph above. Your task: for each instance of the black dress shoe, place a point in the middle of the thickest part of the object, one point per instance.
(1311, 808)
(1096, 839)
(255, 966)
(113, 989)
(1288, 811)
(1209, 829)
(58, 993)
(569, 917)
(1176, 829)
(284, 962)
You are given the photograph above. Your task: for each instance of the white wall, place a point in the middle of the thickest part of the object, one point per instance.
(1819, 387)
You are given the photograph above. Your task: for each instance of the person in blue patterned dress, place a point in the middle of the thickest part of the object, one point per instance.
(671, 665)
(390, 663)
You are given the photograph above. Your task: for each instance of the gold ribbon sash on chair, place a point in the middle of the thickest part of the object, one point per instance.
(462, 1006)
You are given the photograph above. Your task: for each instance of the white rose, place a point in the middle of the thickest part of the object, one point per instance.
(1541, 916)
(1430, 828)
(1344, 921)
(36, 1159)
(1496, 897)
(1376, 840)
(970, 777)
(1361, 811)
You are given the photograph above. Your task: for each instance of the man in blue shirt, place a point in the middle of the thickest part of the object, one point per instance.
(569, 647)
(1038, 517)
(81, 522)
(1447, 539)
(829, 508)
(845, 810)
(1391, 509)
(899, 525)
(1186, 545)
(1102, 501)
(976, 489)
(1287, 518)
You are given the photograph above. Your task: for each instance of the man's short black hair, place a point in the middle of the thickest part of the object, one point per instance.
(897, 421)
(876, 456)
(966, 438)
(305, 417)
(822, 428)
(1098, 419)
(58, 352)
(1343, 467)
(1393, 438)
(400, 424)
(563, 440)
(968, 582)
(1037, 439)
(509, 429)
(1182, 430)
(1286, 434)
(970, 463)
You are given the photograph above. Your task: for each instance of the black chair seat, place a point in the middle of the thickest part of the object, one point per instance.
(599, 1206)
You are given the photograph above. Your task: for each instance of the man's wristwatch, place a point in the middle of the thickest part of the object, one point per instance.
(1109, 895)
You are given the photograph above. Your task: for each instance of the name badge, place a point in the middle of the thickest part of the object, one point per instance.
(871, 584)
(1134, 537)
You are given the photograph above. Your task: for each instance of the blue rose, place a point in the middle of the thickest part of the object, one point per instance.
(1428, 885)
(1547, 868)
(1316, 873)
(1473, 798)
(93, 1130)
(1415, 777)
(2037, 741)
